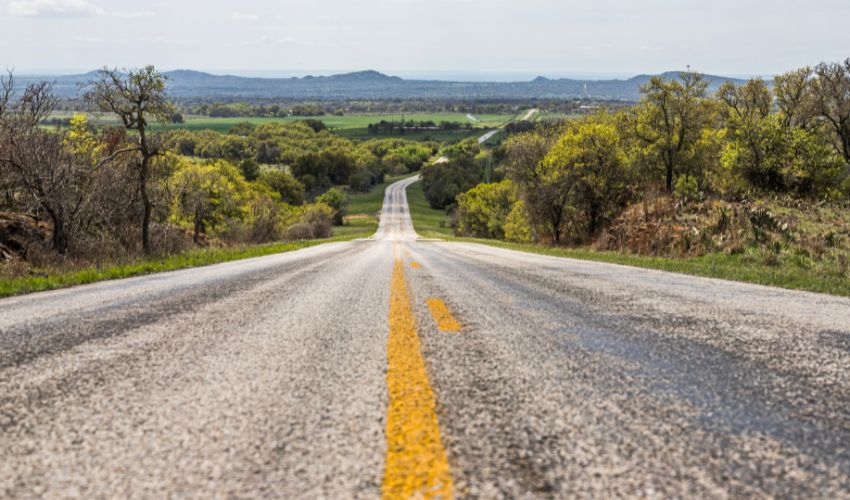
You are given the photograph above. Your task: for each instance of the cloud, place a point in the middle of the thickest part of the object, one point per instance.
(241, 16)
(66, 8)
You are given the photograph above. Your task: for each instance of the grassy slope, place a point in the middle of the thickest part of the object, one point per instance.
(745, 267)
(428, 222)
(193, 258)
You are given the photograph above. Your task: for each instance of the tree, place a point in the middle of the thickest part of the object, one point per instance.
(831, 95)
(206, 193)
(794, 97)
(250, 170)
(482, 212)
(137, 97)
(590, 161)
(755, 139)
(544, 197)
(442, 182)
(290, 190)
(670, 120)
(56, 172)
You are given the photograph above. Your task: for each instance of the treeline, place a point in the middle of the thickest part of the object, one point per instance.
(567, 183)
(264, 108)
(273, 108)
(393, 127)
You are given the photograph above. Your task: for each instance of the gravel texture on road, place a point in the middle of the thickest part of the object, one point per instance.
(268, 378)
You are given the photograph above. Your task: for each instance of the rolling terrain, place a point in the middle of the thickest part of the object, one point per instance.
(375, 85)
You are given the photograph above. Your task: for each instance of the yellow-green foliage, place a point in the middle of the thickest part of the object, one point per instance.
(206, 195)
(518, 225)
(589, 163)
(482, 212)
(82, 142)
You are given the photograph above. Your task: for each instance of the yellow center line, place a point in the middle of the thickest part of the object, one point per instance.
(446, 322)
(416, 463)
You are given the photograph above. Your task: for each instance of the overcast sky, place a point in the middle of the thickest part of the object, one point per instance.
(546, 37)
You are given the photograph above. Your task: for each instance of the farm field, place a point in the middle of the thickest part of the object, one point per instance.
(352, 126)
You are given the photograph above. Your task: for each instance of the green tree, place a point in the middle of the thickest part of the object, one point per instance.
(206, 193)
(590, 160)
(482, 212)
(793, 92)
(249, 168)
(290, 190)
(754, 139)
(545, 196)
(443, 181)
(670, 119)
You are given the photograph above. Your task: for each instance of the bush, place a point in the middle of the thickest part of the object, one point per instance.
(338, 202)
(250, 170)
(290, 190)
(482, 212)
(310, 222)
(442, 182)
(518, 224)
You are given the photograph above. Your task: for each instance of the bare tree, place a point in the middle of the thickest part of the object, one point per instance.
(794, 97)
(39, 166)
(138, 98)
(831, 89)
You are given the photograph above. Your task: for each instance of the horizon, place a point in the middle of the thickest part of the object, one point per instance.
(437, 76)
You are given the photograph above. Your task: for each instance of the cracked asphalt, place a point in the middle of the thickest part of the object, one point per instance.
(268, 378)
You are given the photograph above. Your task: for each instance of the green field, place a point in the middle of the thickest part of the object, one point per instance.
(352, 126)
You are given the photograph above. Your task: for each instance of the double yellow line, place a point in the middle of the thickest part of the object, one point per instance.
(416, 462)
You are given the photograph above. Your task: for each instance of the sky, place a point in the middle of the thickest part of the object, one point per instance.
(496, 39)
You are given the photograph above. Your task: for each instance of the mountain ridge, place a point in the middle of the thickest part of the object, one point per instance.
(371, 84)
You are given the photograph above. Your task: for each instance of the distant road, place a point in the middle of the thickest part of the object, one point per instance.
(405, 366)
(489, 135)
(531, 112)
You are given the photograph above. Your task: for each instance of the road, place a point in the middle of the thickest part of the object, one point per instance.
(405, 367)
(489, 135)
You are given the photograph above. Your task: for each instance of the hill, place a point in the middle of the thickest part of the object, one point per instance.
(375, 85)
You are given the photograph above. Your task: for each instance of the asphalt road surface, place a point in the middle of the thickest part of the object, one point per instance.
(413, 368)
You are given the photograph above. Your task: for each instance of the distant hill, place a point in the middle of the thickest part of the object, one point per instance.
(375, 85)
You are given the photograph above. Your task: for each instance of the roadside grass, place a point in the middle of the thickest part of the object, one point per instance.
(53, 279)
(749, 267)
(428, 222)
(746, 267)
(363, 209)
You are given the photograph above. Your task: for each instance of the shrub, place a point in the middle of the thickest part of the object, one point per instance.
(442, 182)
(338, 202)
(290, 190)
(482, 212)
(310, 222)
